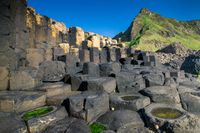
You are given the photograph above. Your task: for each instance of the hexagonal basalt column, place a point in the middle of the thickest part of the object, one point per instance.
(38, 119)
(128, 101)
(164, 116)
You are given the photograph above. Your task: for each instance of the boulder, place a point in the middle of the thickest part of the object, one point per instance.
(4, 78)
(114, 120)
(162, 94)
(191, 64)
(20, 101)
(25, 79)
(53, 70)
(68, 125)
(107, 84)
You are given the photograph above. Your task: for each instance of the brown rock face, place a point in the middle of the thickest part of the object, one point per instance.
(3, 78)
(76, 36)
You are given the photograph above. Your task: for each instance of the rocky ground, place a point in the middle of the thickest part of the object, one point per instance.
(78, 79)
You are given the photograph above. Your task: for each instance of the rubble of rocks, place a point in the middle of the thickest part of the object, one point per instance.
(86, 78)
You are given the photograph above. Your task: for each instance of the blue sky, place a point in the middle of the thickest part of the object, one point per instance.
(109, 17)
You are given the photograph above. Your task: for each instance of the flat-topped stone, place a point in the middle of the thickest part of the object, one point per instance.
(114, 120)
(40, 123)
(167, 117)
(20, 101)
(129, 81)
(60, 99)
(88, 105)
(107, 84)
(53, 89)
(128, 101)
(162, 94)
(26, 79)
(68, 125)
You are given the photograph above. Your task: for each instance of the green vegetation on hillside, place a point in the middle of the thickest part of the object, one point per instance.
(162, 32)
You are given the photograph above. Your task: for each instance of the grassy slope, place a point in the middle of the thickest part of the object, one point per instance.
(152, 40)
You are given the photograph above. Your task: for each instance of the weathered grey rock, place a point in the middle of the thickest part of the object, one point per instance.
(128, 101)
(79, 82)
(89, 105)
(106, 69)
(59, 100)
(20, 101)
(129, 82)
(94, 55)
(170, 82)
(191, 64)
(68, 125)
(84, 55)
(104, 55)
(191, 102)
(162, 94)
(25, 79)
(131, 129)
(182, 122)
(107, 84)
(39, 124)
(91, 69)
(11, 123)
(54, 89)
(4, 78)
(108, 131)
(53, 70)
(58, 52)
(35, 57)
(71, 64)
(120, 118)
(154, 79)
(76, 36)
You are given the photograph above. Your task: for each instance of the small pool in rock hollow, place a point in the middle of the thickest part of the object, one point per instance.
(129, 98)
(166, 113)
(37, 112)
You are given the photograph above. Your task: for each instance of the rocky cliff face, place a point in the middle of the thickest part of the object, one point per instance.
(150, 32)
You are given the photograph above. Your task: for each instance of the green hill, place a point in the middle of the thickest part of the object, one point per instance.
(150, 32)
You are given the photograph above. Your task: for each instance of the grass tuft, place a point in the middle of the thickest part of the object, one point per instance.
(36, 113)
(97, 128)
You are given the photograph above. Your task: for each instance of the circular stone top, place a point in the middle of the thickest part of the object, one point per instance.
(166, 113)
(163, 112)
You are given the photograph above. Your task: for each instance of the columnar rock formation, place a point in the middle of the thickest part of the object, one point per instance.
(68, 72)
